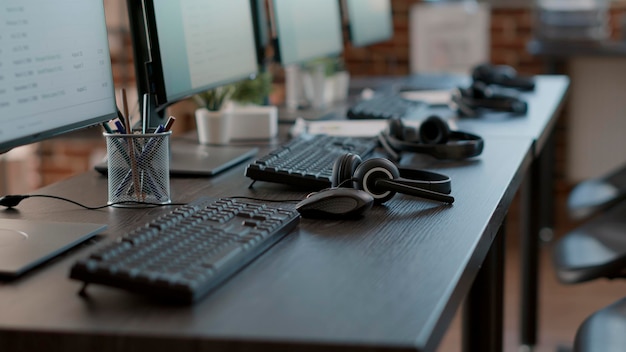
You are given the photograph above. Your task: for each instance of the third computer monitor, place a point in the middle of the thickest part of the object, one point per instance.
(369, 21)
(305, 30)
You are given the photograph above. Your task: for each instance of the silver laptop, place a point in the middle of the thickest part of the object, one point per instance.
(25, 244)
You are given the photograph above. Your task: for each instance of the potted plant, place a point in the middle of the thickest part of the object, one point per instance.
(255, 90)
(252, 118)
(212, 115)
(219, 106)
(325, 81)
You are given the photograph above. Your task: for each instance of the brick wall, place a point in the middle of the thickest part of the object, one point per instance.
(64, 157)
(511, 30)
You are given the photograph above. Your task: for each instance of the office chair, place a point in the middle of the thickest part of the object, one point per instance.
(604, 330)
(594, 250)
(597, 249)
(596, 194)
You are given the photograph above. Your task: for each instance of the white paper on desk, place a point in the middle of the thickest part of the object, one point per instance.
(432, 97)
(348, 128)
(354, 128)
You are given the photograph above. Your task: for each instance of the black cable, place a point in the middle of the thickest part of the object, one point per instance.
(268, 200)
(11, 201)
(342, 184)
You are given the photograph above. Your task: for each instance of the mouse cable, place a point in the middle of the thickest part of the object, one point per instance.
(11, 201)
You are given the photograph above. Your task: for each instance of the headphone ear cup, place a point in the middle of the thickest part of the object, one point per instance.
(371, 170)
(401, 132)
(396, 128)
(343, 169)
(434, 130)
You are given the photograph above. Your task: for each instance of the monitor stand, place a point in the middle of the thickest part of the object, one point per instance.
(189, 158)
(26, 244)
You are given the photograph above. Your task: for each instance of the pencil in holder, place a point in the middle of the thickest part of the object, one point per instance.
(138, 168)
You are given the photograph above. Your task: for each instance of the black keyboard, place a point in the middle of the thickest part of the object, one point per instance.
(385, 106)
(307, 161)
(184, 254)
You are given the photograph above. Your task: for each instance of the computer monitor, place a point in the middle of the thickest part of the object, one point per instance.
(304, 30)
(261, 30)
(55, 77)
(369, 21)
(185, 47)
(55, 73)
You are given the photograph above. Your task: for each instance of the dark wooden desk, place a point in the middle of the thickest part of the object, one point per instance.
(537, 196)
(390, 281)
(545, 104)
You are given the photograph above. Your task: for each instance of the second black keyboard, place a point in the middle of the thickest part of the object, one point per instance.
(182, 255)
(385, 106)
(307, 161)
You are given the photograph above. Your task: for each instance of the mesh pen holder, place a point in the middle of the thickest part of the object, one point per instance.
(141, 173)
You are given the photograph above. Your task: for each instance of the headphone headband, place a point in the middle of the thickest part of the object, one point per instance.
(423, 179)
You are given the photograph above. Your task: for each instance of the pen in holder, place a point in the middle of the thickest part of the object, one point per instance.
(138, 167)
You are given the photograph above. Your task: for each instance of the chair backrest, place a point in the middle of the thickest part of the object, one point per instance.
(591, 196)
(594, 250)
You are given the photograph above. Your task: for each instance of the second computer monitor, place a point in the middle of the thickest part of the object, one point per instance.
(369, 21)
(305, 30)
(197, 45)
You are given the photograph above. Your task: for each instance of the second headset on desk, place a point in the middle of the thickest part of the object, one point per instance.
(379, 179)
(433, 137)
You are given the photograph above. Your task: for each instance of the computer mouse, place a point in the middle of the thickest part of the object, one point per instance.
(335, 203)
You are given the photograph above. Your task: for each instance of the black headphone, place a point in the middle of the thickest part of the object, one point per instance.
(433, 137)
(502, 75)
(480, 96)
(382, 179)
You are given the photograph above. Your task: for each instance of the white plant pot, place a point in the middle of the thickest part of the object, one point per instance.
(253, 122)
(315, 87)
(342, 84)
(213, 126)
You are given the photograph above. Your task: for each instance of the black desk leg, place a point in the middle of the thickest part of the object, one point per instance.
(537, 203)
(547, 162)
(529, 258)
(483, 309)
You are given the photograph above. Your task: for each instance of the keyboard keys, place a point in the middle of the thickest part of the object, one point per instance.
(307, 161)
(385, 107)
(182, 255)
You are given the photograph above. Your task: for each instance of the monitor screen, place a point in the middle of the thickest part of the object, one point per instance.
(305, 30)
(196, 45)
(369, 21)
(55, 69)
